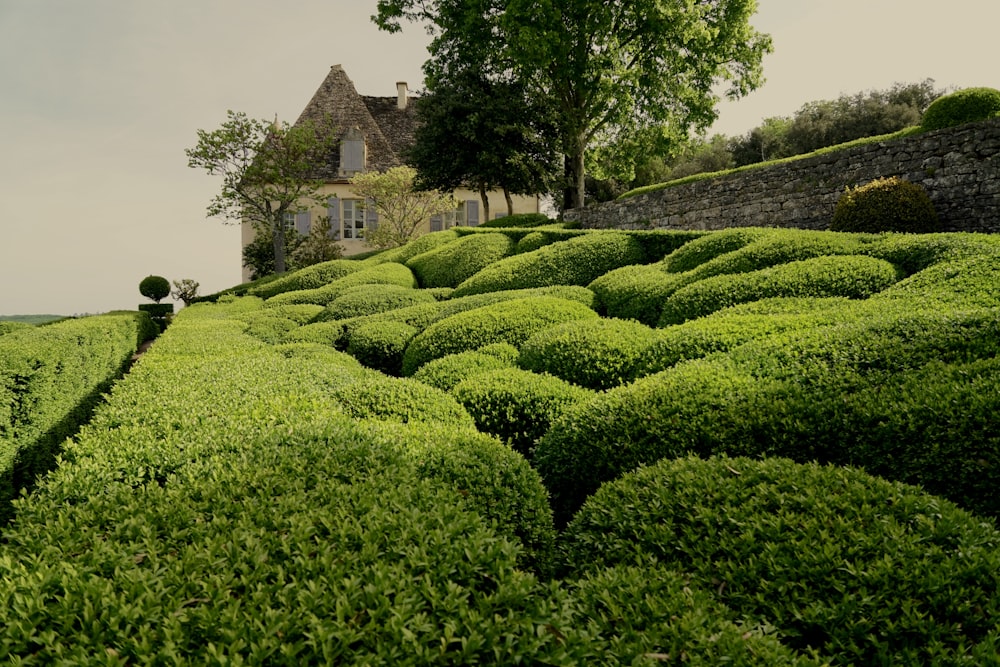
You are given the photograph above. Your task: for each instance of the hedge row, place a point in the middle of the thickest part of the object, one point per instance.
(839, 562)
(51, 378)
(451, 369)
(222, 508)
(450, 264)
(310, 277)
(577, 261)
(505, 322)
(389, 273)
(372, 299)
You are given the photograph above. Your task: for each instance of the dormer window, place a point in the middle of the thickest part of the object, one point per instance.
(353, 152)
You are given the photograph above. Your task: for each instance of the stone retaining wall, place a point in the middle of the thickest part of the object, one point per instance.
(959, 167)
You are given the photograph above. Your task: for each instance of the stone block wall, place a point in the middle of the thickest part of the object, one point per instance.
(959, 167)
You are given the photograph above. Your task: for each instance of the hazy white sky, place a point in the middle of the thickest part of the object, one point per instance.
(99, 99)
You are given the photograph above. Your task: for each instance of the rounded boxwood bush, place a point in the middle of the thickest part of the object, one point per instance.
(380, 345)
(963, 106)
(448, 265)
(534, 241)
(596, 354)
(520, 220)
(635, 292)
(389, 273)
(492, 480)
(309, 277)
(414, 247)
(863, 570)
(515, 405)
(372, 299)
(653, 615)
(700, 250)
(576, 261)
(885, 205)
(447, 371)
(505, 322)
(378, 396)
(852, 276)
(154, 287)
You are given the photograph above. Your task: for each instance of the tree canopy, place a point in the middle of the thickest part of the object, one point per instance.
(267, 172)
(401, 207)
(607, 70)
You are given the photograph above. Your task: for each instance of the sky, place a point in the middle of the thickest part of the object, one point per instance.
(100, 98)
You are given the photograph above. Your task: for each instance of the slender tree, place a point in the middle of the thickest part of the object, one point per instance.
(401, 207)
(268, 171)
(608, 70)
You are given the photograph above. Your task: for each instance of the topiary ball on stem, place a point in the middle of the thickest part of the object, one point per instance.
(154, 287)
(885, 205)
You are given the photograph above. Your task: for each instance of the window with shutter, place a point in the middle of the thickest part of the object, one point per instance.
(371, 215)
(302, 223)
(472, 212)
(352, 153)
(437, 223)
(354, 219)
(333, 210)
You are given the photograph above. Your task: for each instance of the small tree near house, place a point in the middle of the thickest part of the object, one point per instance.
(402, 209)
(268, 170)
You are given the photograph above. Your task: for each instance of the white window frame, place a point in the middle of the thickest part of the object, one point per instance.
(353, 218)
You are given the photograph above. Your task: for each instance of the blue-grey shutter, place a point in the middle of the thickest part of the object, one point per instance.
(302, 223)
(436, 223)
(333, 210)
(471, 212)
(371, 215)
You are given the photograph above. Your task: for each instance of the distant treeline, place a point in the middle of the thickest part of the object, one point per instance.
(31, 319)
(816, 125)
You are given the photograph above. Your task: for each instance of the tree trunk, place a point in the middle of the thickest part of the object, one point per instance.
(486, 201)
(575, 192)
(510, 201)
(278, 236)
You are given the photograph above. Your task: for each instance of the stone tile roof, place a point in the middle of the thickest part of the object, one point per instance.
(388, 130)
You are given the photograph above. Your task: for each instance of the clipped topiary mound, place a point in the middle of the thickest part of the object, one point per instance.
(885, 205)
(520, 220)
(577, 261)
(851, 276)
(449, 370)
(515, 405)
(310, 277)
(450, 264)
(389, 273)
(493, 480)
(378, 396)
(964, 106)
(596, 354)
(534, 241)
(700, 250)
(372, 299)
(635, 292)
(380, 345)
(506, 322)
(862, 570)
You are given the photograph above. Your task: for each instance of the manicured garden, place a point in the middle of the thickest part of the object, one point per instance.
(534, 445)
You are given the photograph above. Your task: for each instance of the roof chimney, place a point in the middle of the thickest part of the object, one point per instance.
(401, 91)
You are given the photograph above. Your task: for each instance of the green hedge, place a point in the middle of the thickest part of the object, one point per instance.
(596, 354)
(448, 265)
(380, 345)
(885, 205)
(856, 277)
(696, 252)
(515, 405)
(577, 261)
(635, 292)
(310, 277)
(447, 371)
(505, 322)
(389, 273)
(963, 106)
(492, 479)
(51, 378)
(372, 299)
(417, 246)
(862, 570)
(519, 220)
(377, 396)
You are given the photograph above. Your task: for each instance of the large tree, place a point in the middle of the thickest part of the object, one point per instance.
(608, 70)
(268, 172)
(483, 134)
